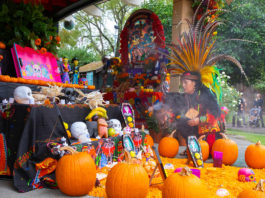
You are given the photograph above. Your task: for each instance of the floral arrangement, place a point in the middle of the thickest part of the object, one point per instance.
(205, 6)
(26, 25)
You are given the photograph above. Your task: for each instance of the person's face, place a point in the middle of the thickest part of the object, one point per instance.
(188, 86)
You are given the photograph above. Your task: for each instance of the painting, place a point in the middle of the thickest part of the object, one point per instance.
(31, 64)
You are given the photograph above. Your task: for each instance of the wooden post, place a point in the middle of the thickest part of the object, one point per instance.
(181, 10)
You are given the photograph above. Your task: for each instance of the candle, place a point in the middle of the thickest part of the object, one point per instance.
(217, 159)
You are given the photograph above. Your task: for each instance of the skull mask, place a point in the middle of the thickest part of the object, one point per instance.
(69, 95)
(23, 95)
(80, 132)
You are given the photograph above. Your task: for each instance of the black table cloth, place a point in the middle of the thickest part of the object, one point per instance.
(28, 129)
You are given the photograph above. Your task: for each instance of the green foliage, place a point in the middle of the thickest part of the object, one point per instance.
(24, 23)
(230, 95)
(164, 10)
(249, 135)
(82, 54)
(245, 21)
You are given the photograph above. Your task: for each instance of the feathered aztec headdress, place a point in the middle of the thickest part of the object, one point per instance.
(194, 52)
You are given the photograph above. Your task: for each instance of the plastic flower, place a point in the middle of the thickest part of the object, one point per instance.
(38, 41)
(43, 50)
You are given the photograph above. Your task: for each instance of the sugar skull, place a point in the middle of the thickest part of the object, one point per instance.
(23, 95)
(115, 124)
(246, 175)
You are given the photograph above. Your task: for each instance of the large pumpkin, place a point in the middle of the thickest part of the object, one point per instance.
(255, 155)
(168, 146)
(76, 173)
(229, 149)
(126, 180)
(257, 192)
(204, 147)
(184, 185)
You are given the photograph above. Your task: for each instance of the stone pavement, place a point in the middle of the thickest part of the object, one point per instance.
(8, 191)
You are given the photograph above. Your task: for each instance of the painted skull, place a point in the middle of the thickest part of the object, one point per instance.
(246, 175)
(23, 95)
(80, 132)
(115, 124)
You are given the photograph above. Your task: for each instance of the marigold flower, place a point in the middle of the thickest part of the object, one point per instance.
(43, 50)
(38, 41)
(58, 39)
(50, 37)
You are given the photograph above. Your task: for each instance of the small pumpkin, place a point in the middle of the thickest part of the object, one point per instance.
(184, 184)
(204, 148)
(75, 173)
(2, 45)
(257, 192)
(168, 146)
(149, 140)
(255, 155)
(127, 180)
(228, 147)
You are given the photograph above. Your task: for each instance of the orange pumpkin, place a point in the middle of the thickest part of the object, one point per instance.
(255, 155)
(205, 148)
(184, 185)
(229, 149)
(257, 192)
(168, 146)
(149, 140)
(2, 45)
(126, 180)
(75, 173)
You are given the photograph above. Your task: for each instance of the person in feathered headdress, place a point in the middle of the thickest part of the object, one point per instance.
(192, 57)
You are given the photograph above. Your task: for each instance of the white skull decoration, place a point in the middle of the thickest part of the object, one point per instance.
(115, 124)
(23, 95)
(80, 132)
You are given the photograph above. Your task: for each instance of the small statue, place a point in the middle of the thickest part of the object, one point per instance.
(75, 71)
(65, 68)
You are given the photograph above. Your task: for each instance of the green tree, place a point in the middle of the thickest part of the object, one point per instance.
(83, 55)
(164, 10)
(244, 21)
(95, 31)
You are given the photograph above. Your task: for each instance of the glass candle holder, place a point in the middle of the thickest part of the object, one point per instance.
(217, 159)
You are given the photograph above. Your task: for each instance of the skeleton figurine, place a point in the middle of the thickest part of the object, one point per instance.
(23, 95)
(80, 132)
(116, 125)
